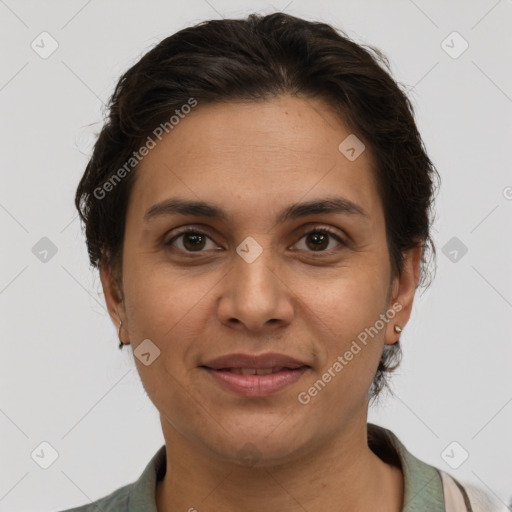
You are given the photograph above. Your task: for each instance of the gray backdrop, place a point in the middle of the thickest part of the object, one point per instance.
(63, 380)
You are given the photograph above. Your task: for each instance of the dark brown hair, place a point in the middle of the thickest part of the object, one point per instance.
(255, 59)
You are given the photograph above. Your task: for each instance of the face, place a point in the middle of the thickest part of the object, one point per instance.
(254, 280)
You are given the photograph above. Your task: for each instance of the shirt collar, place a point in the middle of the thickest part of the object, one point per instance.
(142, 495)
(423, 489)
(422, 482)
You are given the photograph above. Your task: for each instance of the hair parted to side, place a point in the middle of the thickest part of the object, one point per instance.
(255, 59)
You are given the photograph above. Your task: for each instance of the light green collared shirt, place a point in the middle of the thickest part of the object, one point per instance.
(422, 483)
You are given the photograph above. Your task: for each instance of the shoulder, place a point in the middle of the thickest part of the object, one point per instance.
(428, 487)
(465, 496)
(138, 496)
(116, 501)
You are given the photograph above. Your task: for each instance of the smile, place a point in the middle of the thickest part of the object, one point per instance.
(256, 382)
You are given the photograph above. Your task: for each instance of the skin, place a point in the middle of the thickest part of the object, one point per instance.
(253, 160)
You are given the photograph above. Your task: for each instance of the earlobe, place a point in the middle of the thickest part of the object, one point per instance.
(403, 292)
(113, 298)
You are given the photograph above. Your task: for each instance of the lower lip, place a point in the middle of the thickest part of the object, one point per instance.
(257, 385)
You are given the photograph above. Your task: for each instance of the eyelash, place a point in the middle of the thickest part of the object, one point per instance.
(322, 230)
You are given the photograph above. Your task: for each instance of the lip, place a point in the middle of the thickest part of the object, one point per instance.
(256, 385)
(269, 360)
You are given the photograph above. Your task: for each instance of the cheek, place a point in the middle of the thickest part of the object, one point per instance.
(347, 313)
(169, 311)
(169, 308)
(350, 299)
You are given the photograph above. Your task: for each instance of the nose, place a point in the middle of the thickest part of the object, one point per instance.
(254, 296)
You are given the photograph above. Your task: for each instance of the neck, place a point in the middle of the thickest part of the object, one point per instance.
(340, 474)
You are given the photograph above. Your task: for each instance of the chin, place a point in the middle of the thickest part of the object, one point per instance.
(260, 444)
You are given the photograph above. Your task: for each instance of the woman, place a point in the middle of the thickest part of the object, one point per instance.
(258, 205)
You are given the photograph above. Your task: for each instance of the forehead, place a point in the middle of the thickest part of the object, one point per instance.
(247, 157)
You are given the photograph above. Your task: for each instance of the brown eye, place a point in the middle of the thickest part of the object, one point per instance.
(318, 240)
(191, 241)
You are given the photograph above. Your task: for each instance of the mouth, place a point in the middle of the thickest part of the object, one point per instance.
(256, 382)
(254, 371)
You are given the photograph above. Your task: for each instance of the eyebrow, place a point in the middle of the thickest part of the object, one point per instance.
(177, 206)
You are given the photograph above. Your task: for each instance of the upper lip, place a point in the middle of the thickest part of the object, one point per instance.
(270, 360)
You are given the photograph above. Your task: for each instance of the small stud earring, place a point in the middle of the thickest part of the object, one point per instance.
(398, 328)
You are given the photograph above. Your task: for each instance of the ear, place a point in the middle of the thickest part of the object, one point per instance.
(113, 298)
(403, 290)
